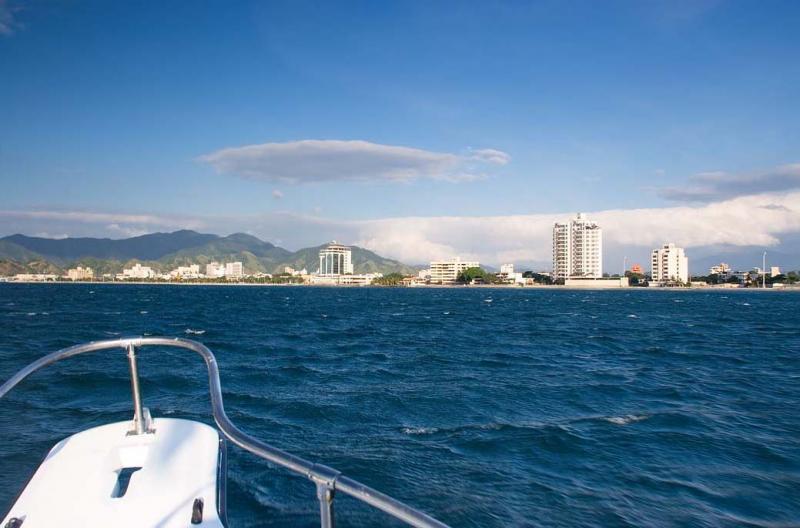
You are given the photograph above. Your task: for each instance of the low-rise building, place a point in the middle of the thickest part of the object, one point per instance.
(34, 277)
(508, 275)
(596, 283)
(361, 279)
(720, 269)
(230, 270)
(185, 272)
(80, 273)
(447, 271)
(138, 272)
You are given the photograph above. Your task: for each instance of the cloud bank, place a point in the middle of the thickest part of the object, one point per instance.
(759, 220)
(716, 186)
(334, 160)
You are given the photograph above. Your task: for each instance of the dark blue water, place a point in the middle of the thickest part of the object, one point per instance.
(541, 407)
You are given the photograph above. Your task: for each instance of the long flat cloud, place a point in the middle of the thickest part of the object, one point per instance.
(715, 186)
(758, 220)
(334, 160)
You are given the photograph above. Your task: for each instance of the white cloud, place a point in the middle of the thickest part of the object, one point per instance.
(715, 186)
(334, 160)
(8, 24)
(754, 220)
(758, 220)
(277, 194)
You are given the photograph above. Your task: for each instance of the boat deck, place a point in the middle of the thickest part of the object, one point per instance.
(105, 477)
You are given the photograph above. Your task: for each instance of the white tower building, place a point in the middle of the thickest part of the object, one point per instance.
(577, 249)
(335, 259)
(669, 264)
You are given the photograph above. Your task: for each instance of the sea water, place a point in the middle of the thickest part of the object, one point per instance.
(483, 407)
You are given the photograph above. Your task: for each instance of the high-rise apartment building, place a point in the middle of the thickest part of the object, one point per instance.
(669, 265)
(335, 259)
(577, 249)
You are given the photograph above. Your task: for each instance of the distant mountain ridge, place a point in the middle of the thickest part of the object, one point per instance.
(166, 251)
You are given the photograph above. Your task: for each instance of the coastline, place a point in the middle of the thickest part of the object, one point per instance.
(558, 287)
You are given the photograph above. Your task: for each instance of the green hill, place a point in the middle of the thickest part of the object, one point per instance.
(166, 251)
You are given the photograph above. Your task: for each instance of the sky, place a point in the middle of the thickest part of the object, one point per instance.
(420, 130)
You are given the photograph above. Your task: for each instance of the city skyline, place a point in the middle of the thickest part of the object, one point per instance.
(301, 124)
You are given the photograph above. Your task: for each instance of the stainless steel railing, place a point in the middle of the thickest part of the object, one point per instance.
(328, 481)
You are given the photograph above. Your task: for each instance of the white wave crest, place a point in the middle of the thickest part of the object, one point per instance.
(628, 418)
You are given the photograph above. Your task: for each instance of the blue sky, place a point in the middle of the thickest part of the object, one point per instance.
(142, 109)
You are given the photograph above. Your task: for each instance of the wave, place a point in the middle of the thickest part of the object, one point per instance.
(627, 419)
(420, 430)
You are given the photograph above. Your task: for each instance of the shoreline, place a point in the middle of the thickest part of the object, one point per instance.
(425, 286)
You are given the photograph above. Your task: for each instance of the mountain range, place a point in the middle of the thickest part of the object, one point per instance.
(166, 251)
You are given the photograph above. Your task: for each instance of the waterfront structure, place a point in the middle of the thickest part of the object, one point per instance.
(334, 260)
(446, 271)
(596, 283)
(230, 270)
(80, 273)
(361, 279)
(295, 273)
(185, 272)
(34, 277)
(669, 264)
(720, 269)
(215, 270)
(507, 274)
(577, 249)
(138, 272)
(234, 270)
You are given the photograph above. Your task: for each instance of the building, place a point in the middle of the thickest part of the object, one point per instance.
(138, 272)
(215, 270)
(362, 279)
(577, 249)
(79, 273)
(720, 269)
(335, 259)
(185, 272)
(508, 275)
(229, 270)
(774, 271)
(637, 268)
(595, 283)
(234, 270)
(446, 271)
(34, 277)
(669, 265)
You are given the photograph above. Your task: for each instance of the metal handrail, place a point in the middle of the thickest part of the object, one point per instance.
(327, 480)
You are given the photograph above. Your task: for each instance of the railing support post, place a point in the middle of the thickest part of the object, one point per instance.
(138, 415)
(325, 495)
(325, 479)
